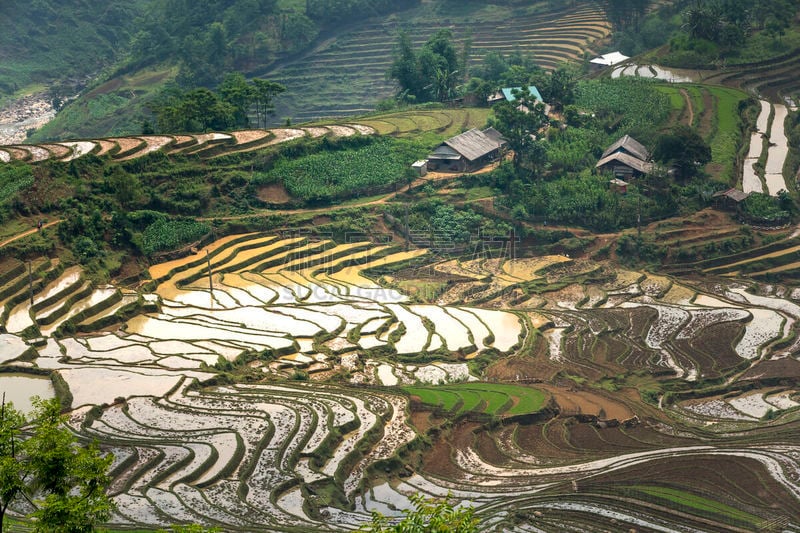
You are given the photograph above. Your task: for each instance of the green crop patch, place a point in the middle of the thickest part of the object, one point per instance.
(166, 234)
(698, 504)
(486, 398)
(14, 178)
(337, 172)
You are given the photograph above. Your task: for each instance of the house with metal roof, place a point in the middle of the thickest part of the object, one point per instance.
(608, 60)
(471, 150)
(624, 166)
(507, 93)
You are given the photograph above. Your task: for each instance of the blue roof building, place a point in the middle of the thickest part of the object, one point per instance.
(508, 93)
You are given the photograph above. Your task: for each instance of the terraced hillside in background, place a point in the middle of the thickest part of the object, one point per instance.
(347, 76)
(775, 79)
(203, 145)
(337, 416)
(439, 122)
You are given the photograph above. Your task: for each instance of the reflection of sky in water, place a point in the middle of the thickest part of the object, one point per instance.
(19, 389)
(652, 71)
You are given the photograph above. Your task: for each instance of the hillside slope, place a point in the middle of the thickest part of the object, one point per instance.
(45, 42)
(347, 75)
(334, 70)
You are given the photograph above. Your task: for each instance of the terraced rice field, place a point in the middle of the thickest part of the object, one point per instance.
(349, 73)
(297, 452)
(204, 145)
(442, 122)
(774, 80)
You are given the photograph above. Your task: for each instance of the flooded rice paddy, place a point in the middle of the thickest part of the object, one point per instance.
(257, 456)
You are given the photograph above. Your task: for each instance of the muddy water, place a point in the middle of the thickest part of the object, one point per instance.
(19, 388)
(778, 150)
(751, 182)
(660, 73)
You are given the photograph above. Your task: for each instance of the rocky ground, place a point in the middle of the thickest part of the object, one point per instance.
(28, 112)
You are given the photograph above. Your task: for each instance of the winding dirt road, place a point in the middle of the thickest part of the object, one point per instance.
(28, 232)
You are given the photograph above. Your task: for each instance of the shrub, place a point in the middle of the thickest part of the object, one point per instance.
(165, 234)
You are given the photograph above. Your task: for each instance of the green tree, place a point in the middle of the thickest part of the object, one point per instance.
(703, 21)
(42, 463)
(519, 122)
(404, 67)
(432, 73)
(684, 149)
(428, 516)
(561, 86)
(235, 91)
(264, 92)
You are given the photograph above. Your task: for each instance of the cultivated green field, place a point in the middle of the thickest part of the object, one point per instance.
(486, 398)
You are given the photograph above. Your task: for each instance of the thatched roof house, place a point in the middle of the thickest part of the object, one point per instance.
(468, 151)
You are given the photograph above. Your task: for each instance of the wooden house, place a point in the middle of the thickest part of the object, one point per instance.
(730, 199)
(627, 158)
(469, 151)
(628, 145)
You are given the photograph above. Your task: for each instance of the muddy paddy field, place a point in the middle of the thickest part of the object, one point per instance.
(289, 383)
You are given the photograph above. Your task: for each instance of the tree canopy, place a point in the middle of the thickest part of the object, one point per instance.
(428, 516)
(684, 149)
(520, 121)
(228, 107)
(42, 465)
(432, 73)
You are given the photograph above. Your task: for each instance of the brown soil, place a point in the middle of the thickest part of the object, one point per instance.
(274, 193)
(730, 478)
(706, 119)
(129, 143)
(57, 150)
(588, 403)
(105, 146)
(16, 153)
(525, 369)
(7, 263)
(689, 108)
(247, 136)
(130, 267)
(422, 421)
(786, 367)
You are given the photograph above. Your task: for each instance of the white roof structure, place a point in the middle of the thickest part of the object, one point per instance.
(610, 59)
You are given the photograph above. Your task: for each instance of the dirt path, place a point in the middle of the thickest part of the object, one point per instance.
(689, 106)
(26, 233)
(706, 125)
